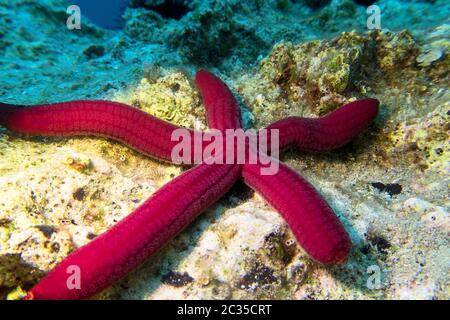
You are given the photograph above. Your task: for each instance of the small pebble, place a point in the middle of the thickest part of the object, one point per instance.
(426, 58)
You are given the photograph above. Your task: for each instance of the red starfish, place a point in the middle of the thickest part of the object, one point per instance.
(142, 233)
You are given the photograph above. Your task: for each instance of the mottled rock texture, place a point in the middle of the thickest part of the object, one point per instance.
(389, 186)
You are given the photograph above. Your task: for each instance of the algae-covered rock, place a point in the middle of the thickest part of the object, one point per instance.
(319, 72)
(315, 77)
(425, 140)
(389, 186)
(173, 98)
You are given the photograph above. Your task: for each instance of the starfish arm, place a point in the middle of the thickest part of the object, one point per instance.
(329, 132)
(127, 244)
(316, 227)
(222, 109)
(137, 129)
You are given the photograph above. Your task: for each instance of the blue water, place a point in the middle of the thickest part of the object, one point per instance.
(104, 13)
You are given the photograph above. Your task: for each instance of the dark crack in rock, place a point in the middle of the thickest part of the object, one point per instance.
(390, 188)
(177, 279)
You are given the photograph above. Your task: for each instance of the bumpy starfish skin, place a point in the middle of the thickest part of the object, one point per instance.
(113, 254)
(137, 129)
(312, 221)
(329, 132)
(222, 110)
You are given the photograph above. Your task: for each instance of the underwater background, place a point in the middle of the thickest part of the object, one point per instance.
(280, 58)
